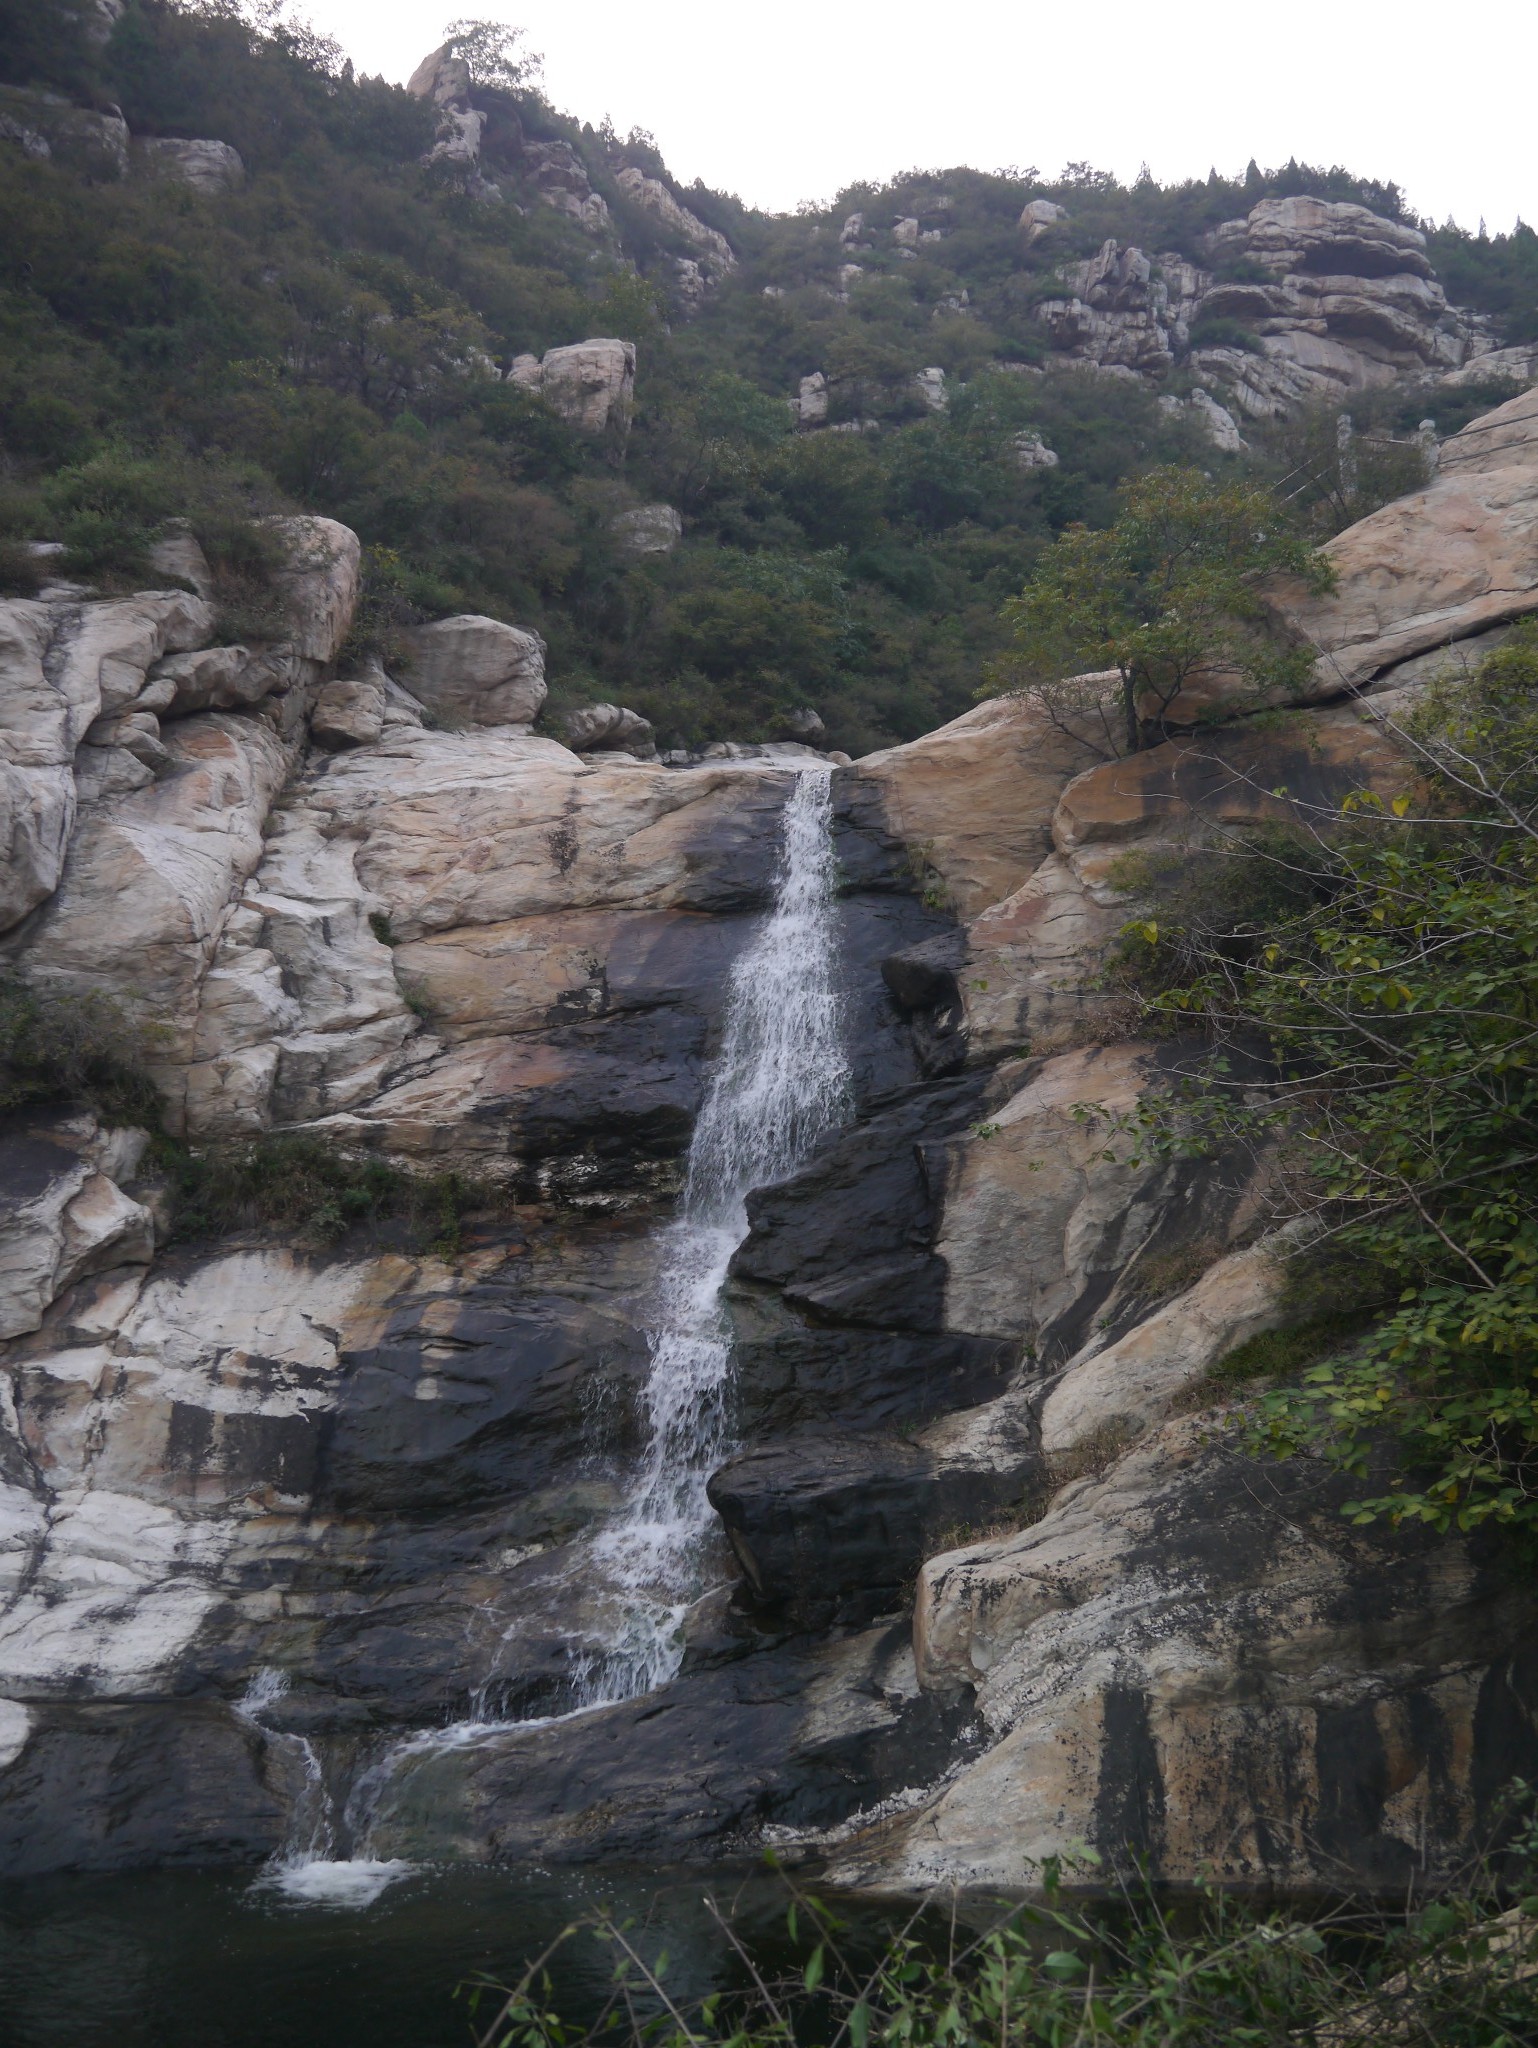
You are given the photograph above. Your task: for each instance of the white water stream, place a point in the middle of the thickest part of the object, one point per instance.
(780, 1083)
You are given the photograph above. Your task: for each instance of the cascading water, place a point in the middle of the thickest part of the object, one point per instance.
(780, 1083)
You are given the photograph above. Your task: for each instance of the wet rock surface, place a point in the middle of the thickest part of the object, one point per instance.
(965, 1330)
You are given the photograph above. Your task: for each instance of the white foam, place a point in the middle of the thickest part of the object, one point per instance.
(345, 1885)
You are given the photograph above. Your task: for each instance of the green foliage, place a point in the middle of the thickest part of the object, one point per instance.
(61, 1048)
(1215, 330)
(490, 49)
(1133, 1970)
(1398, 996)
(47, 43)
(1170, 589)
(302, 1189)
(1282, 1354)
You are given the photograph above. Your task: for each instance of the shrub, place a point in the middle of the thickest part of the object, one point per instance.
(1216, 330)
(1396, 996)
(1133, 1969)
(309, 1192)
(60, 1047)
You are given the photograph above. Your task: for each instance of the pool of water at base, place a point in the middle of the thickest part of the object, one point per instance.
(213, 1959)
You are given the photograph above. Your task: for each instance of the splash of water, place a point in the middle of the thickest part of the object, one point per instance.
(780, 1084)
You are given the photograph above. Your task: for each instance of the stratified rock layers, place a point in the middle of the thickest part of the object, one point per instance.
(467, 949)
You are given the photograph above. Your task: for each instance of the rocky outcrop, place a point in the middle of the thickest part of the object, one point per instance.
(654, 198)
(1435, 567)
(1190, 1663)
(208, 167)
(477, 671)
(1332, 299)
(975, 1308)
(591, 384)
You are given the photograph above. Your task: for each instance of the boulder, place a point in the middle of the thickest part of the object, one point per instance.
(591, 384)
(931, 384)
(1038, 217)
(600, 726)
(477, 670)
(1030, 451)
(441, 77)
(349, 714)
(317, 583)
(810, 404)
(648, 529)
(208, 167)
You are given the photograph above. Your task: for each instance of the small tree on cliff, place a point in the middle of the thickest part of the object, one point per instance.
(1170, 591)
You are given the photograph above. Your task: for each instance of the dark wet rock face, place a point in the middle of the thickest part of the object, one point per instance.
(981, 1527)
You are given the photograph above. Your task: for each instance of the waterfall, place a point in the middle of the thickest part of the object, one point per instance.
(779, 1084)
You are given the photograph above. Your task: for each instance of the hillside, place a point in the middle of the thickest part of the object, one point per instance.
(768, 1066)
(239, 279)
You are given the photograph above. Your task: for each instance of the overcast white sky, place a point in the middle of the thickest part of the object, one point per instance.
(789, 102)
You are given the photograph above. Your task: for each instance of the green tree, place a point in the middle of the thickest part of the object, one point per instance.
(490, 49)
(1171, 590)
(1392, 971)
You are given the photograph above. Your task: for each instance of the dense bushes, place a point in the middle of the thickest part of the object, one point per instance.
(1390, 964)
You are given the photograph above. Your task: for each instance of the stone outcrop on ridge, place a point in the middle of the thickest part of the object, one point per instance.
(1336, 298)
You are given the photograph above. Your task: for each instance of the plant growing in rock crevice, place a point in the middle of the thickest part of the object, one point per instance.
(1397, 992)
(1172, 590)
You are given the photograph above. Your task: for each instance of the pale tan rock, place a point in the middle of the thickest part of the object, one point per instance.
(318, 583)
(973, 800)
(1033, 1210)
(598, 727)
(226, 678)
(208, 167)
(37, 815)
(1323, 235)
(591, 384)
(1038, 218)
(1129, 1383)
(440, 77)
(1161, 1667)
(176, 554)
(477, 670)
(655, 197)
(349, 714)
(149, 875)
(63, 666)
(1029, 973)
(648, 529)
(63, 1217)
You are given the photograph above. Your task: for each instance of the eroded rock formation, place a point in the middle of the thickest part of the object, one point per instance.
(380, 912)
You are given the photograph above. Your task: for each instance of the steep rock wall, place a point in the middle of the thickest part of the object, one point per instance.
(369, 1470)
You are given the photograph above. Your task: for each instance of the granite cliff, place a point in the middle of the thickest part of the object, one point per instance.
(274, 1516)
